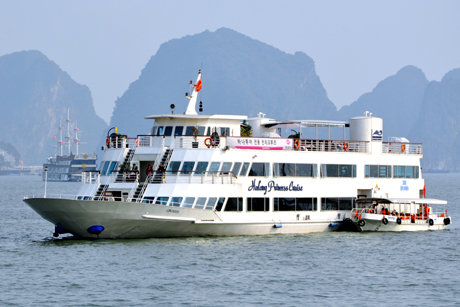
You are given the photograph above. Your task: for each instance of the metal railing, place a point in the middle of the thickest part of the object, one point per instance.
(90, 177)
(402, 148)
(199, 142)
(334, 146)
(200, 177)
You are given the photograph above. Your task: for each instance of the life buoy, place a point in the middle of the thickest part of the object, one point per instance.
(345, 146)
(137, 142)
(107, 142)
(361, 223)
(431, 222)
(398, 220)
(385, 221)
(296, 144)
(208, 142)
(403, 147)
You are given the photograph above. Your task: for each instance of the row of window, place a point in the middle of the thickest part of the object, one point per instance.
(107, 167)
(255, 204)
(179, 130)
(260, 169)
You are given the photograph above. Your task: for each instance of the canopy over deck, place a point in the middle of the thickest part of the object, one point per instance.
(306, 124)
(402, 201)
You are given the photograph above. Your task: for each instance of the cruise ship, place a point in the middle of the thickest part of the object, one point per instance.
(68, 166)
(222, 175)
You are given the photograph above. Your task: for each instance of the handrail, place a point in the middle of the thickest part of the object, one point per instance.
(402, 148)
(144, 187)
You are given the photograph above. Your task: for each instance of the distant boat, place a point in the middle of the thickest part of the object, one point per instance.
(68, 167)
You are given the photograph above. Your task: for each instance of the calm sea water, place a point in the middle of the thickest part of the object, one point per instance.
(341, 269)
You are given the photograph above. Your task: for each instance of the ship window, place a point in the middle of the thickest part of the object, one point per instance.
(259, 169)
(346, 203)
(189, 130)
(306, 204)
(104, 169)
(168, 130)
(377, 171)
(214, 167)
(162, 201)
(201, 168)
(176, 201)
(160, 130)
(258, 204)
(188, 202)
(200, 202)
(225, 131)
(173, 168)
(112, 166)
(220, 204)
(187, 168)
(154, 130)
(178, 130)
(405, 171)
(337, 203)
(338, 170)
(148, 199)
(305, 170)
(329, 204)
(244, 170)
(284, 204)
(284, 169)
(226, 167)
(234, 204)
(236, 168)
(208, 131)
(201, 130)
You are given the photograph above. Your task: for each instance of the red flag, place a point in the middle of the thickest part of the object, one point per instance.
(198, 85)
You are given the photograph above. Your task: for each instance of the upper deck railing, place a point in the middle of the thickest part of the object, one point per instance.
(402, 148)
(222, 142)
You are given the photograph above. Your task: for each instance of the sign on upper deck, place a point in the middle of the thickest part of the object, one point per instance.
(259, 143)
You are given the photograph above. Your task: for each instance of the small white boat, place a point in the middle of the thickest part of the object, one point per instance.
(383, 214)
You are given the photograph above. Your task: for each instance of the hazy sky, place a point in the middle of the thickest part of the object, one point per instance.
(355, 44)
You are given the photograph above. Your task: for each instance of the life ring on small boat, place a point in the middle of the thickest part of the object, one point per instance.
(107, 142)
(361, 223)
(296, 144)
(431, 222)
(358, 215)
(398, 220)
(403, 147)
(385, 221)
(345, 146)
(208, 142)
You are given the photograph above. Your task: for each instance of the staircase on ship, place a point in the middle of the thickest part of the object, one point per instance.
(155, 178)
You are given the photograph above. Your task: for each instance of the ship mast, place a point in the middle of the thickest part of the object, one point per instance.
(68, 137)
(61, 142)
(76, 140)
(191, 108)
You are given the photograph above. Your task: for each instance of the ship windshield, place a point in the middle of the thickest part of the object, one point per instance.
(112, 166)
(104, 169)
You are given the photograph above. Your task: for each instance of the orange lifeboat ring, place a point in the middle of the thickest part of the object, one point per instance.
(107, 142)
(403, 147)
(345, 146)
(296, 144)
(208, 142)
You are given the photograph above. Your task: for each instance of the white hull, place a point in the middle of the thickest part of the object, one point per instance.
(123, 220)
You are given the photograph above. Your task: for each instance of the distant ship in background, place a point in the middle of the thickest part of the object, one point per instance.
(68, 167)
